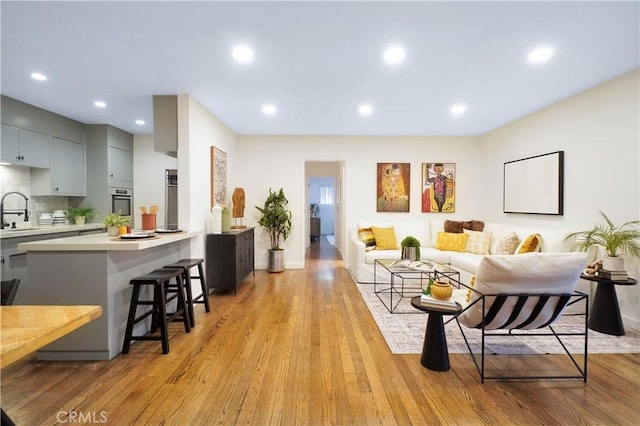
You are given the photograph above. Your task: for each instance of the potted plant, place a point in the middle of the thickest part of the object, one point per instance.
(113, 222)
(616, 241)
(80, 214)
(276, 220)
(410, 248)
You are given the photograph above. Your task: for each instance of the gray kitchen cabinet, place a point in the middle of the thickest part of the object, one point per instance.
(67, 175)
(120, 167)
(25, 147)
(109, 165)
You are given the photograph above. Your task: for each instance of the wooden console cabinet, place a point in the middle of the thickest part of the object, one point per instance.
(230, 259)
(314, 227)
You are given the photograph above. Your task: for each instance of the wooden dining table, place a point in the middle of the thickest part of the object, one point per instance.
(26, 328)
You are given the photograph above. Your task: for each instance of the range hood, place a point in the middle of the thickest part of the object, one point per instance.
(165, 124)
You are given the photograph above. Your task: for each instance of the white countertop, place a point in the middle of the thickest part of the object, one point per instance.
(48, 229)
(103, 242)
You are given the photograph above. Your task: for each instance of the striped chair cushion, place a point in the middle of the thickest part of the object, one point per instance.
(532, 273)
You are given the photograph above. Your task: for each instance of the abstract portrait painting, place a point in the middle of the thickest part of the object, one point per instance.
(439, 187)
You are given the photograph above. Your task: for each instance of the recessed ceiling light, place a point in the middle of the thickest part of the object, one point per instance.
(394, 55)
(269, 109)
(365, 109)
(140, 122)
(38, 76)
(100, 104)
(458, 109)
(243, 54)
(541, 54)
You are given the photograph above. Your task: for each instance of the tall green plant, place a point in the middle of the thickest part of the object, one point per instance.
(276, 217)
(615, 240)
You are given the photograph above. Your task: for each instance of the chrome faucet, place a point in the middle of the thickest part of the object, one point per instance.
(3, 223)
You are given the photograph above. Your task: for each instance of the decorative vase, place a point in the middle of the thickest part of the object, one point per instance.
(442, 291)
(276, 261)
(410, 253)
(613, 263)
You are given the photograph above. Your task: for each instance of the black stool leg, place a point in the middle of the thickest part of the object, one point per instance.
(131, 319)
(164, 332)
(182, 303)
(205, 290)
(186, 280)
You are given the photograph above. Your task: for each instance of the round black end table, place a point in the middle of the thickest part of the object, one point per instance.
(605, 312)
(435, 354)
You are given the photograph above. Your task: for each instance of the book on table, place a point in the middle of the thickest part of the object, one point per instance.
(426, 300)
(613, 275)
(415, 265)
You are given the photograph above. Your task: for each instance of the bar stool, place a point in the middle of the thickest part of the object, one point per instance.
(185, 266)
(159, 279)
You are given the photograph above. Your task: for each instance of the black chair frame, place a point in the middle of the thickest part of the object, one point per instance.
(495, 302)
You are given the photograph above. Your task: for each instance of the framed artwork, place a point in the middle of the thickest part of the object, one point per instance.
(535, 185)
(218, 177)
(393, 187)
(439, 187)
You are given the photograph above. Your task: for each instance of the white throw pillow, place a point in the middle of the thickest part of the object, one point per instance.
(478, 242)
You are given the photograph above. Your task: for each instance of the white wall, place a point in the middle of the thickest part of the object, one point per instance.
(148, 178)
(198, 130)
(279, 161)
(599, 130)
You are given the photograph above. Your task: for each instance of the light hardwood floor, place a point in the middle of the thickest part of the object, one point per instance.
(300, 347)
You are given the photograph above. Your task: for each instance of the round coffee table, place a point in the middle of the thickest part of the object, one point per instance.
(605, 312)
(435, 354)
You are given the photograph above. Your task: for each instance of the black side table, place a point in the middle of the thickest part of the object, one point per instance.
(605, 312)
(435, 354)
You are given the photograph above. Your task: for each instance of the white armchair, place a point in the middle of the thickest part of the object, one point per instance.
(524, 292)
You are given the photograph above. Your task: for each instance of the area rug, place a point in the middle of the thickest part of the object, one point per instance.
(404, 333)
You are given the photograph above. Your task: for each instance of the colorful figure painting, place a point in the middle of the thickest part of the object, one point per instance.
(438, 187)
(393, 187)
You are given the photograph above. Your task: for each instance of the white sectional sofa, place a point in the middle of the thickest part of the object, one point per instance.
(361, 262)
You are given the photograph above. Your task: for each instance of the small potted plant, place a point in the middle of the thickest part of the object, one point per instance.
(276, 220)
(80, 214)
(410, 248)
(616, 241)
(113, 222)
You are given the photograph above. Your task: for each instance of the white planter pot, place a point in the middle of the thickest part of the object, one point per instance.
(613, 263)
(113, 231)
(80, 220)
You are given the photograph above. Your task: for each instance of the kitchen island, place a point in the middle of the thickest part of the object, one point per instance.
(95, 270)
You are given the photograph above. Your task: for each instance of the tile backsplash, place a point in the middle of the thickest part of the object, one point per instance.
(17, 178)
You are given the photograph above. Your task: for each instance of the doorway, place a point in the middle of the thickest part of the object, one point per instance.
(324, 200)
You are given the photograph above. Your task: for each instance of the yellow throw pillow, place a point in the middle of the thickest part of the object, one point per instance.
(508, 244)
(385, 238)
(478, 242)
(531, 244)
(366, 236)
(451, 241)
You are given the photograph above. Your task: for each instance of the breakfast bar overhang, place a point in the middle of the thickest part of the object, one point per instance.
(95, 270)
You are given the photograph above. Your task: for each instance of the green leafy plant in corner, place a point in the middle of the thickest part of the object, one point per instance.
(276, 217)
(615, 240)
(86, 212)
(411, 242)
(116, 219)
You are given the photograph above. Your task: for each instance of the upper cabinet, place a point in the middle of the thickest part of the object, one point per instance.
(25, 147)
(120, 167)
(67, 175)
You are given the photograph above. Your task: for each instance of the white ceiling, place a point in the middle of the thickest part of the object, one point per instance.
(316, 61)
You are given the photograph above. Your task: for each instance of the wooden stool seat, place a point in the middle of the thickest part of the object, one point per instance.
(185, 266)
(160, 279)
